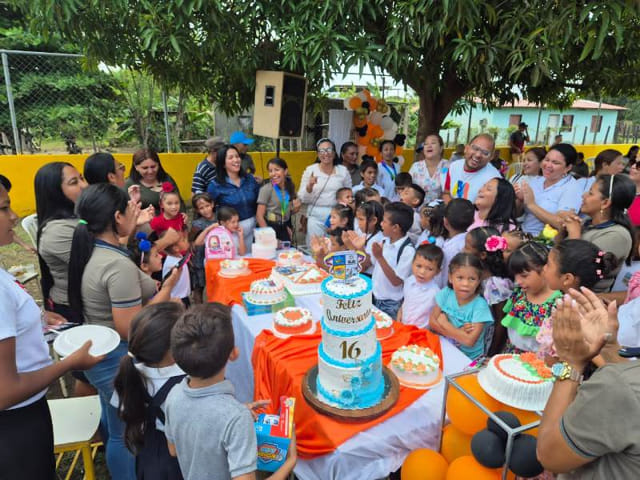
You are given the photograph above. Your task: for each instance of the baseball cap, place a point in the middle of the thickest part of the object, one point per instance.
(522, 124)
(240, 137)
(420, 147)
(214, 143)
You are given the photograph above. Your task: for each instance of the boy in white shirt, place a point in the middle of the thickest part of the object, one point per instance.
(420, 288)
(458, 217)
(392, 258)
(413, 195)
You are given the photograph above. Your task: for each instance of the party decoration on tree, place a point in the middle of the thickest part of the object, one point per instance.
(507, 417)
(488, 449)
(455, 443)
(467, 417)
(468, 468)
(523, 461)
(424, 464)
(374, 122)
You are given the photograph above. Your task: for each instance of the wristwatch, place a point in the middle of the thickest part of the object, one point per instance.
(564, 371)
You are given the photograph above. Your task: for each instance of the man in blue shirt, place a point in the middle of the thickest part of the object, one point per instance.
(206, 169)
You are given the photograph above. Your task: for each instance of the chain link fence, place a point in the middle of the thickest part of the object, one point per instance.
(53, 103)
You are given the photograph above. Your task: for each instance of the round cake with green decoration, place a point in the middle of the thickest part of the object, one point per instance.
(520, 381)
(416, 366)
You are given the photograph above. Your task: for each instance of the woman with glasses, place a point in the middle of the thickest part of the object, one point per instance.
(319, 185)
(543, 198)
(101, 167)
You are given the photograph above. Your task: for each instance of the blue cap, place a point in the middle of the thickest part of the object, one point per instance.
(240, 137)
(420, 147)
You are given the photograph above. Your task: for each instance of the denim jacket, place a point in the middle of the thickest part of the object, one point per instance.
(242, 198)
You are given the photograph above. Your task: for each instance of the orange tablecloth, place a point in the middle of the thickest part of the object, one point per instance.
(280, 364)
(228, 291)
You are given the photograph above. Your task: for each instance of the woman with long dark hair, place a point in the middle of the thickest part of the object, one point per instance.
(277, 200)
(496, 206)
(109, 289)
(148, 174)
(26, 371)
(58, 186)
(102, 167)
(609, 227)
(234, 187)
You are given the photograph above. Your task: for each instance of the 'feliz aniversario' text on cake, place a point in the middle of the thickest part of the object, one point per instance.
(349, 356)
(415, 366)
(521, 381)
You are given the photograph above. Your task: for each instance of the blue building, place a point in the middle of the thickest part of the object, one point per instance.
(585, 121)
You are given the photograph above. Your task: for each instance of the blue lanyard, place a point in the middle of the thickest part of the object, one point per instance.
(392, 173)
(284, 200)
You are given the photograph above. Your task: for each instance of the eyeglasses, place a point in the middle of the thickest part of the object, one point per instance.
(476, 148)
(325, 150)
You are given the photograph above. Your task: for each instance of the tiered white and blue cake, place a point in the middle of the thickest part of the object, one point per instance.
(350, 356)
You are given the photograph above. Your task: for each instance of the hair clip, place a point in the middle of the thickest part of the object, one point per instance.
(431, 240)
(495, 243)
(600, 253)
(141, 236)
(599, 273)
(167, 187)
(82, 222)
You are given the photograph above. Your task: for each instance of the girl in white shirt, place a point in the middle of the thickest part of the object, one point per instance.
(145, 378)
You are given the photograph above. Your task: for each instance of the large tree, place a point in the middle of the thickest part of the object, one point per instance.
(446, 50)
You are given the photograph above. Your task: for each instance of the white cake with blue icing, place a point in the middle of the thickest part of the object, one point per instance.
(349, 356)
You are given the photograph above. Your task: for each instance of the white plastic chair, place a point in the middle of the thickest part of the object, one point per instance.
(30, 225)
(75, 421)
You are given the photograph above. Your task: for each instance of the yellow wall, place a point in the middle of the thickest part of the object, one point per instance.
(21, 169)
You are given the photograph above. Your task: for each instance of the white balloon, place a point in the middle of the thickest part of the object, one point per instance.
(387, 123)
(375, 118)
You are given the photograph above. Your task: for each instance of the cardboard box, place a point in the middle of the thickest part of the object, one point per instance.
(274, 435)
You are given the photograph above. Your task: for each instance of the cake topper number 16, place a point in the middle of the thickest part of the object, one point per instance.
(345, 265)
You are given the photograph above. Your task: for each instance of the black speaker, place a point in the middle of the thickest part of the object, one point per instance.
(279, 104)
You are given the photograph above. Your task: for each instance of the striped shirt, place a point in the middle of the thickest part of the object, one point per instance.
(205, 172)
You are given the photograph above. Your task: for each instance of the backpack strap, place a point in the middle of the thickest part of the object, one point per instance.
(161, 395)
(407, 241)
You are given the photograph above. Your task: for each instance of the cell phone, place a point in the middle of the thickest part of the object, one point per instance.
(178, 265)
(629, 352)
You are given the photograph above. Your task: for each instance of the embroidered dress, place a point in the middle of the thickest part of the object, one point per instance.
(525, 320)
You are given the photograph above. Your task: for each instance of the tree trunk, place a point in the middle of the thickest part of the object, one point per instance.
(435, 106)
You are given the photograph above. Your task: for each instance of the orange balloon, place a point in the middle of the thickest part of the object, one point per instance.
(372, 151)
(376, 131)
(355, 103)
(359, 121)
(454, 443)
(524, 416)
(373, 104)
(467, 468)
(465, 415)
(424, 464)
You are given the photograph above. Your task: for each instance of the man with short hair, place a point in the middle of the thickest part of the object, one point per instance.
(516, 142)
(206, 169)
(464, 179)
(556, 140)
(458, 154)
(239, 140)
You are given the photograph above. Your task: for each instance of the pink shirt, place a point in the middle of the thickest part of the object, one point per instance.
(478, 222)
(634, 211)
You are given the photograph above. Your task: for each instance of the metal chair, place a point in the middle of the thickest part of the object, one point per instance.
(75, 422)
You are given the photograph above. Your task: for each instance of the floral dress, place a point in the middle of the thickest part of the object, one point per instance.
(432, 185)
(528, 324)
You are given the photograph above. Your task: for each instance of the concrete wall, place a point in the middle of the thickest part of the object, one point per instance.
(21, 169)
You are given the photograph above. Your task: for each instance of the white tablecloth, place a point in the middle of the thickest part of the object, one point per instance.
(370, 454)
